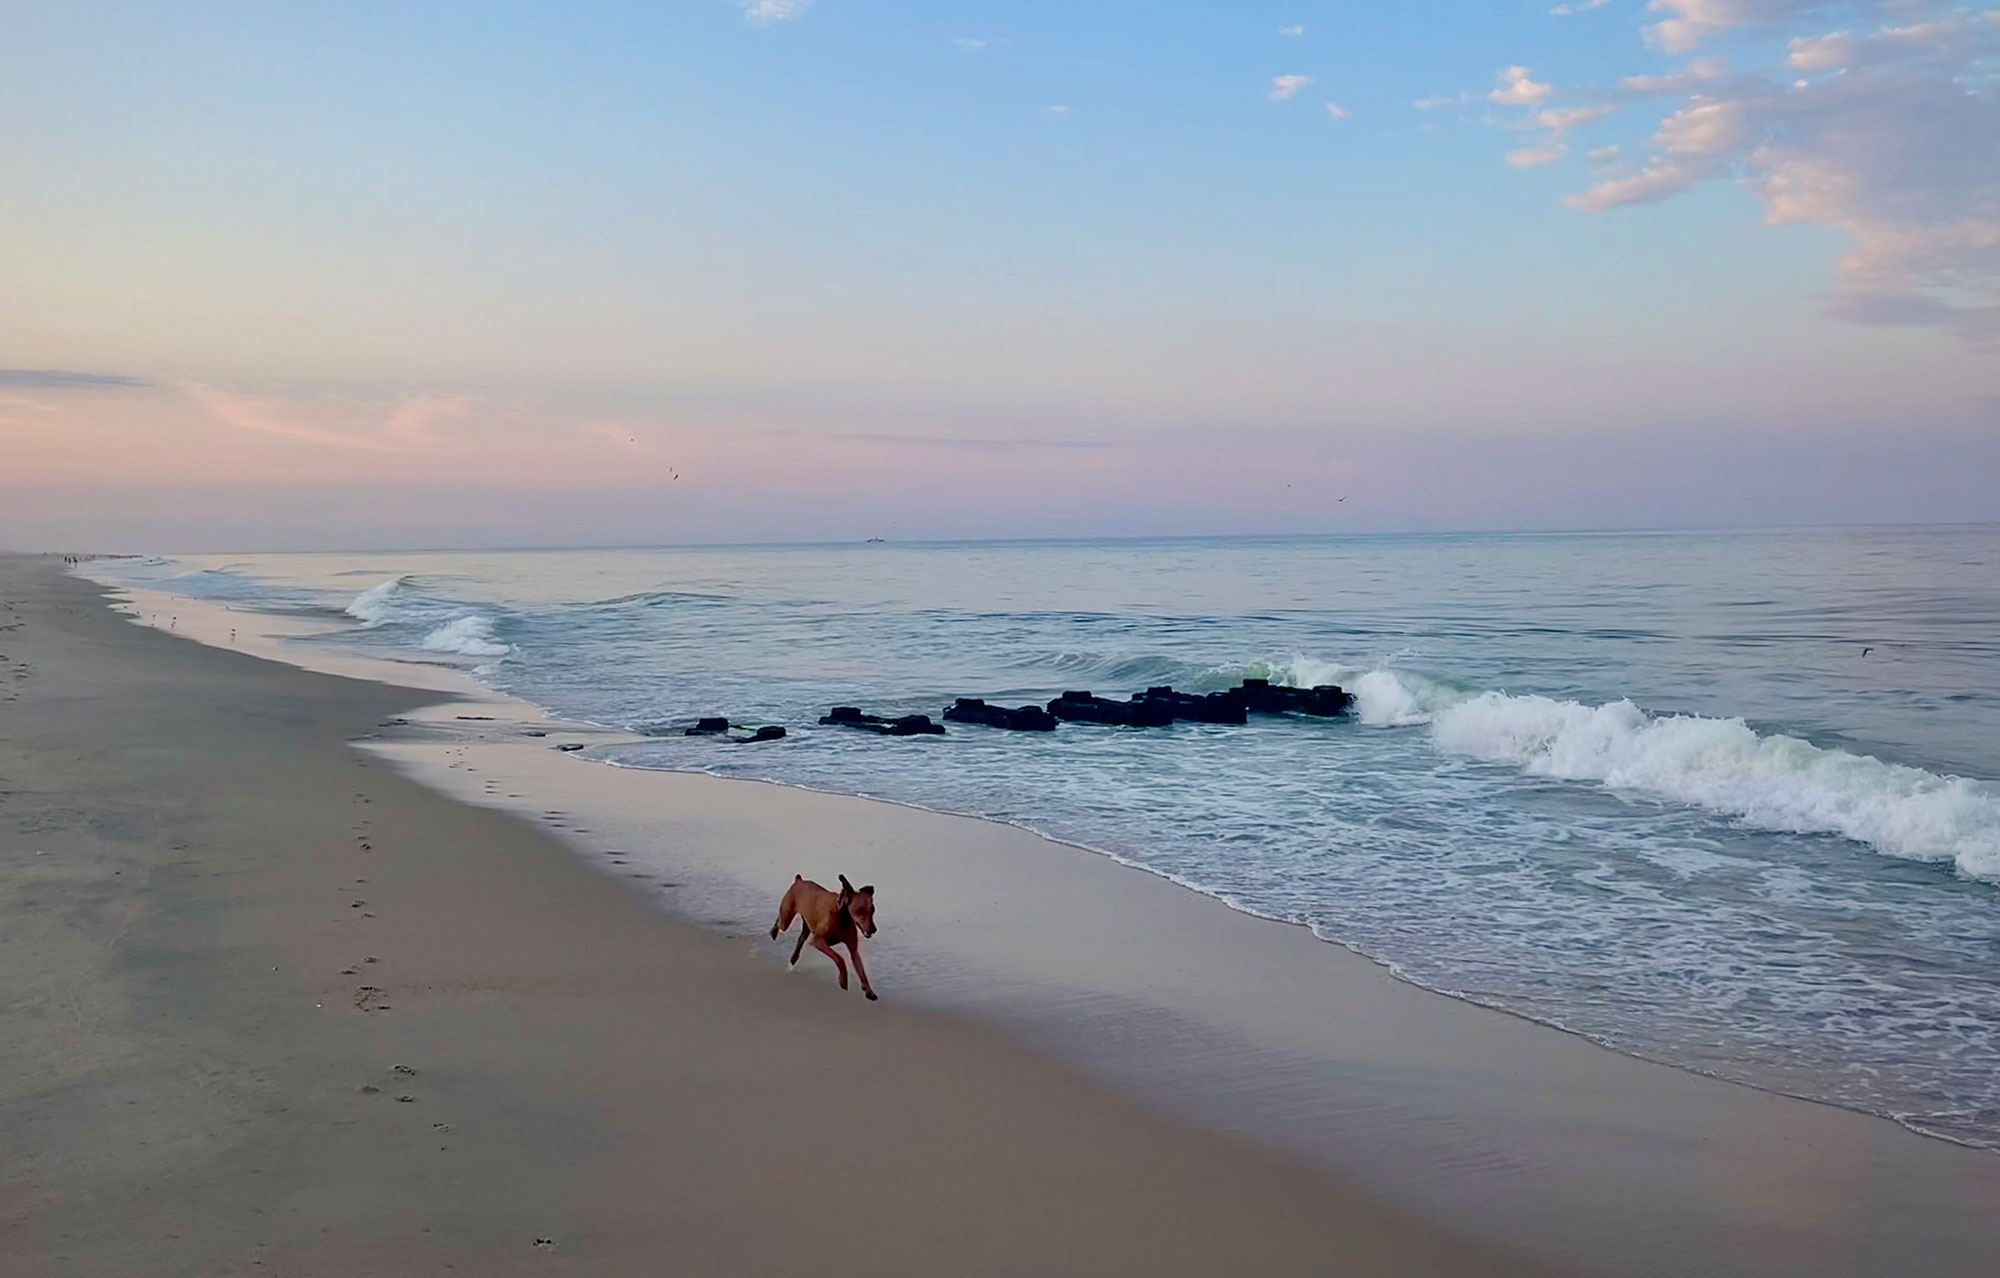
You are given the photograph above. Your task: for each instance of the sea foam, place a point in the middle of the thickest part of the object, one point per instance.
(1773, 782)
(470, 635)
(377, 604)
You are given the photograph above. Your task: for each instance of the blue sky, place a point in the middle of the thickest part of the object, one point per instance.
(917, 247)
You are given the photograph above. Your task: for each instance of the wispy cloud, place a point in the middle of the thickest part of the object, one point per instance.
(406, 425)
(1337, 111)
(1556, 124)
(1437, 100)
(1056, 109)
(962, 443)
(1292, 31)
(1581, 6)
(1697, 20)
(621, 438)
(62, 379)
(767, 12)
(1284, 87)
(972, 44)
(1518, 88)
(1883, 134)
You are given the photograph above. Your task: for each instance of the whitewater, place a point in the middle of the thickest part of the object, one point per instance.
(1726, 801)
(1774, 782)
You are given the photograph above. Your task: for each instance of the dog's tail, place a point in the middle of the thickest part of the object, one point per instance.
(786, 911)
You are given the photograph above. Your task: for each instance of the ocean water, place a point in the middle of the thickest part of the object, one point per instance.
(1723, 800)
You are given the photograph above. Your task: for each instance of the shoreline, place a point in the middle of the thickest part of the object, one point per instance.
(208, 621)
(1458, 1144)
(279, 1007)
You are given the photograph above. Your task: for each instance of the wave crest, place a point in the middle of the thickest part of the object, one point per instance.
(1775, 782)
(377, 604)
(470, 635)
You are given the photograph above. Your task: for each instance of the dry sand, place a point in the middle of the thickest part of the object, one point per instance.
(272, 1008)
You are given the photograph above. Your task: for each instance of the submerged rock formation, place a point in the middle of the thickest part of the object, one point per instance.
(909, 725)
(1020, 719)
(1215, 707)
(1260, 696)
(1083, 707)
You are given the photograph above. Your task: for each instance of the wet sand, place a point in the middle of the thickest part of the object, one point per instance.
(273, 1007)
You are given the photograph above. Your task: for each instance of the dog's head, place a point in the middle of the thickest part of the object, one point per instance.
(859, 904)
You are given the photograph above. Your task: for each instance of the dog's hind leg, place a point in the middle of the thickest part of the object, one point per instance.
(800, 948)
(839, 964)
(785, 916)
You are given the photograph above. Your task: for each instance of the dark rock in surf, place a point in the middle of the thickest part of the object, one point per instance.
(1082, 707)
(1324, 701)
(1018, 719)
(707, 727)
(769, 732)
(909, 725)
(1214, 707)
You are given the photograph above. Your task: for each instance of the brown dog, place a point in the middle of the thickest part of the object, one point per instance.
(830, 919)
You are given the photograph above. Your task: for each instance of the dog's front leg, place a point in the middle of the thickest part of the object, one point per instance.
(805, 930)
(854, 951)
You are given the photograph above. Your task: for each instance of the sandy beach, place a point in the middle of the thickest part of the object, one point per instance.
(275, 1009)
(1080, 1067)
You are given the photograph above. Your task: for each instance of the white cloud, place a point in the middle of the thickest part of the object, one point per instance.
(1887, 137)
(1056, 108)
(1561, 120)
(1337, 111)
(1541, 153)
(1518, 88)
(1604, 155)
(1293, 30)
(1691, 78)
(1284, 86)
(1696, 20)
(1581, 6)
(971, 44)
(766, 12)
(1435, 101)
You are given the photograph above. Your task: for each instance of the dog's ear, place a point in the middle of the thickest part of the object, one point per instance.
(845, 885)
(868, 889)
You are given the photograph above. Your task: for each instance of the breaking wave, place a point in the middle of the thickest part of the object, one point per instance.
(1773, 782)
(1383, 698)
(470, 635)
(377, 604)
